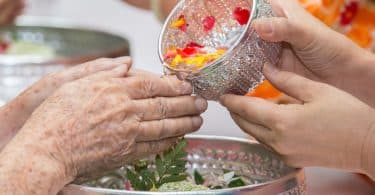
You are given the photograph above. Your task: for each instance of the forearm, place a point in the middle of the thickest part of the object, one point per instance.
(358, 78)
(12, 117)
(26, 171)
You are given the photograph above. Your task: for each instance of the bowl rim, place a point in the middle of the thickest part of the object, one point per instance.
(65, 24)
(221, 58)
(292, 174)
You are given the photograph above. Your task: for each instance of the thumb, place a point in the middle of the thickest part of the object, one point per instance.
(283, 29)
(291, 84)
(293, 25)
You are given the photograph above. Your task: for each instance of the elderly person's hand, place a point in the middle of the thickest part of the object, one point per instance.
(315, 51)
(96, 124)
(9, 10)
(14, 114)
(330, 128)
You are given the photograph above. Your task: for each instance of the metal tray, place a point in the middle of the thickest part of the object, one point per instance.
(264, 169)
(72, 45)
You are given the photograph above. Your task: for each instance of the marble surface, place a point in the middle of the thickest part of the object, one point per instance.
(141, 28)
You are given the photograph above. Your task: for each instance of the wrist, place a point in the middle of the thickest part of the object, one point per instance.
(26, 170)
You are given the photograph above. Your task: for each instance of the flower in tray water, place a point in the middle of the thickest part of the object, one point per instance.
(180, 23)
(217, 38)
(209, 23)
(242, 15)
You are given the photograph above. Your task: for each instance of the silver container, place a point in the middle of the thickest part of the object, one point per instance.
(72, 45)
(261, 167)
(239, 70)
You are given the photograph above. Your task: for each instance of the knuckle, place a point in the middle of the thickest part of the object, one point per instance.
(173, 83)
(148, 87)
(162, 107)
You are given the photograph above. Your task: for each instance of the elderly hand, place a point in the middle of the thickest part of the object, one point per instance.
(14, 114)
(99, 123)
(329, 128)
(315, 51)
(9, 10)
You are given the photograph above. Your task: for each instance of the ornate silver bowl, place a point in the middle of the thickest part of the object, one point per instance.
(261, 168)
(72, 45)
(240, 68)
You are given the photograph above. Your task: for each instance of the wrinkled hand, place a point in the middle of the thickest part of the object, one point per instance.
(313, 50)
(14, 114)
(329, 128)
(9, 10)
(102, 121)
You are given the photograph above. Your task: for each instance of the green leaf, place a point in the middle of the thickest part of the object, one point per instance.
(135, 180)
(236, 183)
(181, 145)
(159, 165)
(198, 178)
(173, 178)
(140, 165)
(148, 179)
(170, 167)
(176, 170)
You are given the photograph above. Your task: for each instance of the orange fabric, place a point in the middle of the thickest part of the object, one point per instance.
(360, 28)
(265, 90)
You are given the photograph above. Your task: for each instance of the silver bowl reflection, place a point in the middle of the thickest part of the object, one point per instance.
(72, 45)
(240, 68)
(262, 169)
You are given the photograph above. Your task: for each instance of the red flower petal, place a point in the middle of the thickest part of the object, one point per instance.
(209, 23)
(349, 13)
(242, 15)
(189, 51)
(194, 44)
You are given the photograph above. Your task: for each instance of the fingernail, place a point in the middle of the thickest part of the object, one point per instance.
(197, 122)
(265, 26)
(186, 88)
(201, 104)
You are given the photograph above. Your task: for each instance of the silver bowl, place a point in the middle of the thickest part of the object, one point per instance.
(239, 70)
(72, 45)
(263, 169)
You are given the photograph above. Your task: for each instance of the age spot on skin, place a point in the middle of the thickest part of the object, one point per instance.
(36, 91)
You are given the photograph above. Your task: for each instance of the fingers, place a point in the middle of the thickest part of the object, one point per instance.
(145, 149)
(142, 73)
(100, 68)
(291, 84)
(8, 9)
(261, 133)
(148, 87)
(167, 128)
(255, 110)
(283, 29)
(294, 25)
(162, 108)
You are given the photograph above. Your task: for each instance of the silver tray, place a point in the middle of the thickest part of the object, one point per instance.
(267, 173)
(72, 45)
